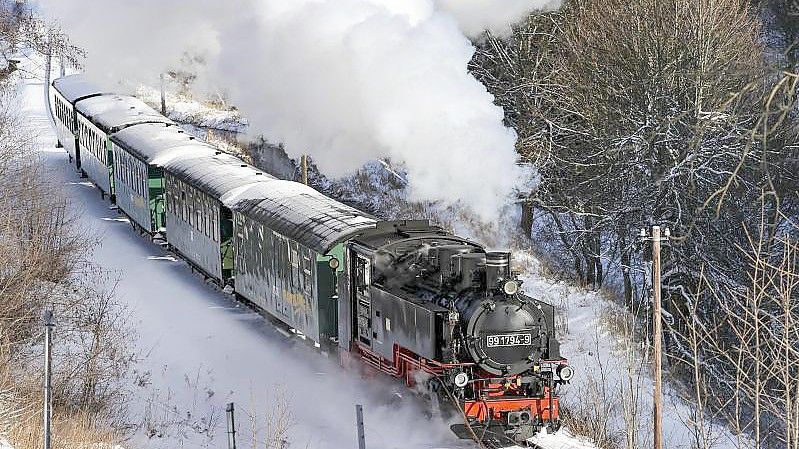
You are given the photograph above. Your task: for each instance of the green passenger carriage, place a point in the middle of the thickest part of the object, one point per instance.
(140, 152)
(98, 118)
(286, 235)
(64, 93)
(199, 224)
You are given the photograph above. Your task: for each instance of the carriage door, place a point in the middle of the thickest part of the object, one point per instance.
(362, 278)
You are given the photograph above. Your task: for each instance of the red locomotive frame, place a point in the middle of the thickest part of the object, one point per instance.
(494, 399)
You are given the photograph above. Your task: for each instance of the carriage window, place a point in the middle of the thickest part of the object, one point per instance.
(198, 211)
(203, 216)
(172, 187)
(190, 201)
(306, 273)
(268, 250)
(183, 204)
(215, 224)
(207, 219)
(276, 256)
(295, 271)
(212, 221)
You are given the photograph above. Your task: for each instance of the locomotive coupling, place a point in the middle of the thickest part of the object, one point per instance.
(519, 418)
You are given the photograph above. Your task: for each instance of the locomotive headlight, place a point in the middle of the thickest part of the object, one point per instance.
(461, 379)
(565, 372)
(510, 287)
(333, 263)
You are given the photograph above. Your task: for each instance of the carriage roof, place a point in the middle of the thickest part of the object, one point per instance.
(300, 213)
(76, 87)
(151, 141)
(112, 113)
(215, 174)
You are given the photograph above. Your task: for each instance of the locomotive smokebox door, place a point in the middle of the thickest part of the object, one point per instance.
(506, 338)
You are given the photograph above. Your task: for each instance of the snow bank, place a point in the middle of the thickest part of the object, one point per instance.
(183, 109)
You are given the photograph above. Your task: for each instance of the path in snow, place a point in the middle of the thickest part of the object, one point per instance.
(204, 350)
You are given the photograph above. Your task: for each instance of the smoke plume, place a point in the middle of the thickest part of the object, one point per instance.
(476, 16)
(346, 81)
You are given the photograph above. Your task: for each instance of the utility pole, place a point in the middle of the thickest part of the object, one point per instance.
(231, 427)
(359, 424)
(48, 400)
(657, 333)
(304, 168)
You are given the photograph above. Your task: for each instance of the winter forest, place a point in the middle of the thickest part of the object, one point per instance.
(559, 130)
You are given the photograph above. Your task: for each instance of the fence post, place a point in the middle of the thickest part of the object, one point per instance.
(48, 360)
(231, 427)
(359, 423)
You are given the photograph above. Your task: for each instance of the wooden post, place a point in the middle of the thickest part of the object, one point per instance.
(48, 360)
(657, 336)
(304, 163)
(231, 426)
(359, 424)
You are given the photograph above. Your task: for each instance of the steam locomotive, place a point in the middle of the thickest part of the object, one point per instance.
(428, 302)
(405, 297)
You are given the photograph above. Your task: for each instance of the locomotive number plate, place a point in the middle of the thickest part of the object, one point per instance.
(494, 341)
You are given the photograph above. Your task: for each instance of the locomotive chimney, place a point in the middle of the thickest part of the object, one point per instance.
(497, 268)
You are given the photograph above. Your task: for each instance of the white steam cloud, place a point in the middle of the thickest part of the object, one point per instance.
(346, 81)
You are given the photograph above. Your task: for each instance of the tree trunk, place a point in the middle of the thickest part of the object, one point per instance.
(526, 223)
(596, 248)
(628, 284)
